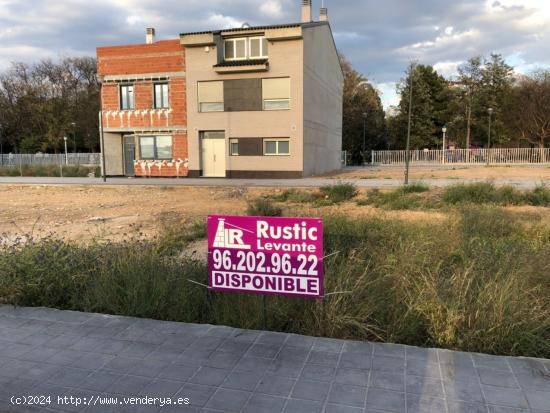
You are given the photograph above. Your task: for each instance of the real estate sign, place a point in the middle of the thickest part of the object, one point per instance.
(265, 255)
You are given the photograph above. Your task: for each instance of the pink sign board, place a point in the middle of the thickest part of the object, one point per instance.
(266, 255)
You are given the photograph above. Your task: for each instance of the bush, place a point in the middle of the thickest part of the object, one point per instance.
(475, 193)
(295, 195)
(406, 197)
(263, 207)
(487, 193)
(540, 196)
(414, 188)
(339, 192)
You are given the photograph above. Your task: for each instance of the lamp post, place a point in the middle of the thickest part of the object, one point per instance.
(364, 137)
(444, 130)
(66, 154)
(409, 123)
(490, 110)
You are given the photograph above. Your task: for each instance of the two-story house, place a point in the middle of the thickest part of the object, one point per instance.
(260, 102)
(143, 102)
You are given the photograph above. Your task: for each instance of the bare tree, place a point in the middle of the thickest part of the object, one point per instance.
(530, 109)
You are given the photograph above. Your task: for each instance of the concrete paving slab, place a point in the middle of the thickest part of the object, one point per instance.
(103, 361)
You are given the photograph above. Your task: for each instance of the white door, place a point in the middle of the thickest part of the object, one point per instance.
(213, 154)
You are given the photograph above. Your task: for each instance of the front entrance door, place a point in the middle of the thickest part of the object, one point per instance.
(213, 154)
(129, 155)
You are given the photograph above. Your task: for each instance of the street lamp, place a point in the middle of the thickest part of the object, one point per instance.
(66, 154)
(444, 130)
(490, 110)
(364, 137)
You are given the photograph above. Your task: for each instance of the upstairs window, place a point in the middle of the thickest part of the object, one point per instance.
(257, 47)
(161, 96)
(127, 97)
(246, 48)
(210, 95)
(235, 49)
(276, 93)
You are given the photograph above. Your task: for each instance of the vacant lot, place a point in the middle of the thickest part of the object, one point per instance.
(463, 267)
(85, 213)
(515, 173)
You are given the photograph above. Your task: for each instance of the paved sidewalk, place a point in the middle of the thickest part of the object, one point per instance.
(259, 183)
(221, 369)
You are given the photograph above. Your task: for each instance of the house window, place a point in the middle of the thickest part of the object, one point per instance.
(161, 96)
(276, 93)
(257, 47)
(235, 49)
(127, 97)
(276, 147)
(155, 147)
(234, 147)
(210, 96)
(246, 48)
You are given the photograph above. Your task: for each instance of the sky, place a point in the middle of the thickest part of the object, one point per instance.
(379, 37)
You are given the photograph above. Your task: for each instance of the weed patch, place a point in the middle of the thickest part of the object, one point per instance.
(263, 207)
(338, 193)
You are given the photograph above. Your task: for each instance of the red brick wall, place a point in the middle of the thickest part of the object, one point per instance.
(145, 116)
(160, 57)
(167, 168)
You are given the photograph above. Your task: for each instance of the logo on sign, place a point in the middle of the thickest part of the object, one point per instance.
(231, 237)
(266, 255)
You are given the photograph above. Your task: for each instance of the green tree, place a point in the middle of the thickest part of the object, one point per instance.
(430, 112)
(483, 83)
(359, 98)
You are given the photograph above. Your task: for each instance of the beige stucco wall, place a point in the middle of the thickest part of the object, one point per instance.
(323, 86)
(285, 59)
(113, 154)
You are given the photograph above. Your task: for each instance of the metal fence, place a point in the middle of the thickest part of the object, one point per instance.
(464, 156)
(17, 159)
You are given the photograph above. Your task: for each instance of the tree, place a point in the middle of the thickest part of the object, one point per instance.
(529, 112)
(484, 83)
(39, 104)
(429, 109)
(470, 79)
(360, 97)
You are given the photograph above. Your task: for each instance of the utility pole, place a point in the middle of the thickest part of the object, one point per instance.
(408, 147)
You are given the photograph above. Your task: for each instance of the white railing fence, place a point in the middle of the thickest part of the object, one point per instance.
(17, 159)
(464, 156)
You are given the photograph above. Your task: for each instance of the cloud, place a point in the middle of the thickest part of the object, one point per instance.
(378, 38)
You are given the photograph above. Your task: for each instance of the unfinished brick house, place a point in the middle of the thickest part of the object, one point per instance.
(144, 114)
(246, 102)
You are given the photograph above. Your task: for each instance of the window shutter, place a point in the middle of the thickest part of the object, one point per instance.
(210, 92)
(276, 88)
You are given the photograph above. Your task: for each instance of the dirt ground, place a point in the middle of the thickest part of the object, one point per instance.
(115, 212)
(527, 172)
(83, 213)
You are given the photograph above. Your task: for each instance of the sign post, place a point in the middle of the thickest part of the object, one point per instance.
(266, 256)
